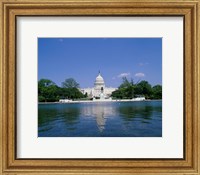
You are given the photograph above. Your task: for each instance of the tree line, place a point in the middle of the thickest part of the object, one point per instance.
(48, 91)
(129, 89)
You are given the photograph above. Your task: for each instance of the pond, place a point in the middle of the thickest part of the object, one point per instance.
(101, 119)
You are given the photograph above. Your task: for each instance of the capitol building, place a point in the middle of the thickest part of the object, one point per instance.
(99, 90)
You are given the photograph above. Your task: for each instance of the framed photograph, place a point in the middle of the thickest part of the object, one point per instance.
(99, 87)
(123, 100)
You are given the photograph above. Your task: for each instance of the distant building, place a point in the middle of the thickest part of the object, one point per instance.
(99, 90)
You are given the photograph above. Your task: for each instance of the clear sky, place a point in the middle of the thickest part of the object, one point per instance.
(82, 58)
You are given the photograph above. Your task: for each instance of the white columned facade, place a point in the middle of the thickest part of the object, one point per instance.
(99, 90)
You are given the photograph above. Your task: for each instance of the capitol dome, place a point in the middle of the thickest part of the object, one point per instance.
(99, 91)
(99, 80)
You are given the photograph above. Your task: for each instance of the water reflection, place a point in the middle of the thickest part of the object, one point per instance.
(131, 112)
(100, 112)
(71, 115)
(131, 119)
(50, 114)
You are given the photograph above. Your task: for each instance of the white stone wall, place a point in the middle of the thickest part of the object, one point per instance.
(108, 91)
(89, 91)
(93, 92)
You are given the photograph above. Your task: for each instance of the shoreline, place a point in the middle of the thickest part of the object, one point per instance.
(98, 101)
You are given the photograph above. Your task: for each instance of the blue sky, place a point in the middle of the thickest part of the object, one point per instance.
(82, 58)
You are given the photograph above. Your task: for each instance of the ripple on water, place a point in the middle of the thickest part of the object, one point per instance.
(130, 119)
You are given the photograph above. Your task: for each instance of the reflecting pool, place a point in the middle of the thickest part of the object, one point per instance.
(101, 119)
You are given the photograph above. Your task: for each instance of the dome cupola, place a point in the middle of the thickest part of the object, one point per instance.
(99, 80)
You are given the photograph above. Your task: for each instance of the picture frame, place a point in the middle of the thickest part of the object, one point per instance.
(10, 9)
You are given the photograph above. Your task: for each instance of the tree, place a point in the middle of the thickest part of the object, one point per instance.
(47, 91)
(125, 83)
(130, 90)
(117, 94)
(70, 89)
(86, 95)
(70, 83)
(157, 92)
(125, 90)
(45, 83)
(143, 88)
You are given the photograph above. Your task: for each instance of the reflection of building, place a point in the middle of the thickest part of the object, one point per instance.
(100, 112)
(99, 90)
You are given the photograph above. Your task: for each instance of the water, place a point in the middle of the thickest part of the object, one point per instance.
(105, 119)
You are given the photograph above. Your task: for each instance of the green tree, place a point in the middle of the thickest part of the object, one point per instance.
(70, 83)
(47, 91)
(130, 90)
(73, 93)
(125, 83)
(86, 95)
(157, 92)
(125, 90)
(70, 89)
(143, 88)
(118, 94)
